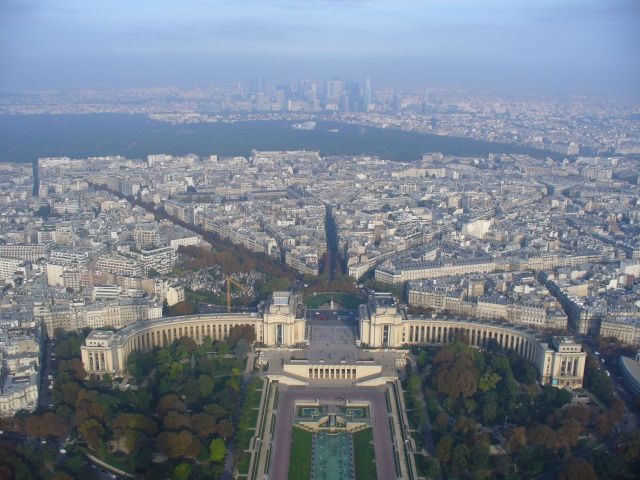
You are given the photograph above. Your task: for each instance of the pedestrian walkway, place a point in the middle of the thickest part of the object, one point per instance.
(264, 446)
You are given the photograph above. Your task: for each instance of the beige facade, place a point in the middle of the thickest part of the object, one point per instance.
(281, 327)
(398, 274)
(175, 294)
(19, 392)
(107, 352)
(519, 312)
(559, 361)
(627, 330)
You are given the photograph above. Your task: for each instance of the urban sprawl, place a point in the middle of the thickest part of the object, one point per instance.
(551, 244)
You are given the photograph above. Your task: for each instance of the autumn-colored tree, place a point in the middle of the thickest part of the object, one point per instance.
(543, 436)
(442, 422)
(460, 378)
(193, 448)
(61, 476)
(189, 343)
(185, 307)
(203, 425)
(631, 450)
(168, 403)
(176, 444)
(225, 429)
(12, 424)
(444, 449)
(514, 439)
(6, 473)
(580, 413)
(74, 367)
(170, 444)
(91, 431)
(53, 425)
(567, 435)
(577, 469)
(175, 421)
(69, 392)
(215, 410)
(604, 424)
(444, 355)
(464, 426)
(88, 406)
(32, 426)
(246, 332)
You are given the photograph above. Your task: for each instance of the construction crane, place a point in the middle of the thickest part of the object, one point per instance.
(229, 282)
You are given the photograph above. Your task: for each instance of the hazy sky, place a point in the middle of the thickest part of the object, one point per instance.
(546, 44)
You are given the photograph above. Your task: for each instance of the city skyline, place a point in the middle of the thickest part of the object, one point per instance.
(557, 46)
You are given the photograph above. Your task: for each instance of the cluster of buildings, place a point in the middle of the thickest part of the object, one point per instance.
(515, 297)
(542, 243)
(19, 361)
(505, 239)
(573, 125)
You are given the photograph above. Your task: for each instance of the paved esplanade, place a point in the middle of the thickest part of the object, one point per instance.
(333, 341)
(385, 463)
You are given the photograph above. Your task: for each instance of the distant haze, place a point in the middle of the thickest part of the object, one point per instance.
(548, 45)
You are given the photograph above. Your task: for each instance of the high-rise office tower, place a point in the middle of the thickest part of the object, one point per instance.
(367, 94)
(334, 88)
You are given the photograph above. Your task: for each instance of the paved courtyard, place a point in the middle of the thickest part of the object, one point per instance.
(332, 335)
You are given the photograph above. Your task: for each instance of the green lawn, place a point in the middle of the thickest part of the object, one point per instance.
(412, 424)
(419, 442)
(117, 461)
(243, 463)
(364, 453)
(253, 417)
(300, 461)
(347, 301)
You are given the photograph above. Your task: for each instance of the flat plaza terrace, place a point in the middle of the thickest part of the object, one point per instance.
(295, 408)
(331, 357)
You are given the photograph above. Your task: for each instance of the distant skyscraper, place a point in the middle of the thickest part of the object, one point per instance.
(261, 102)
(368, 94)
(257, 85)
(344, 102)
(334, 88)
(312, 93)
(396, 104)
